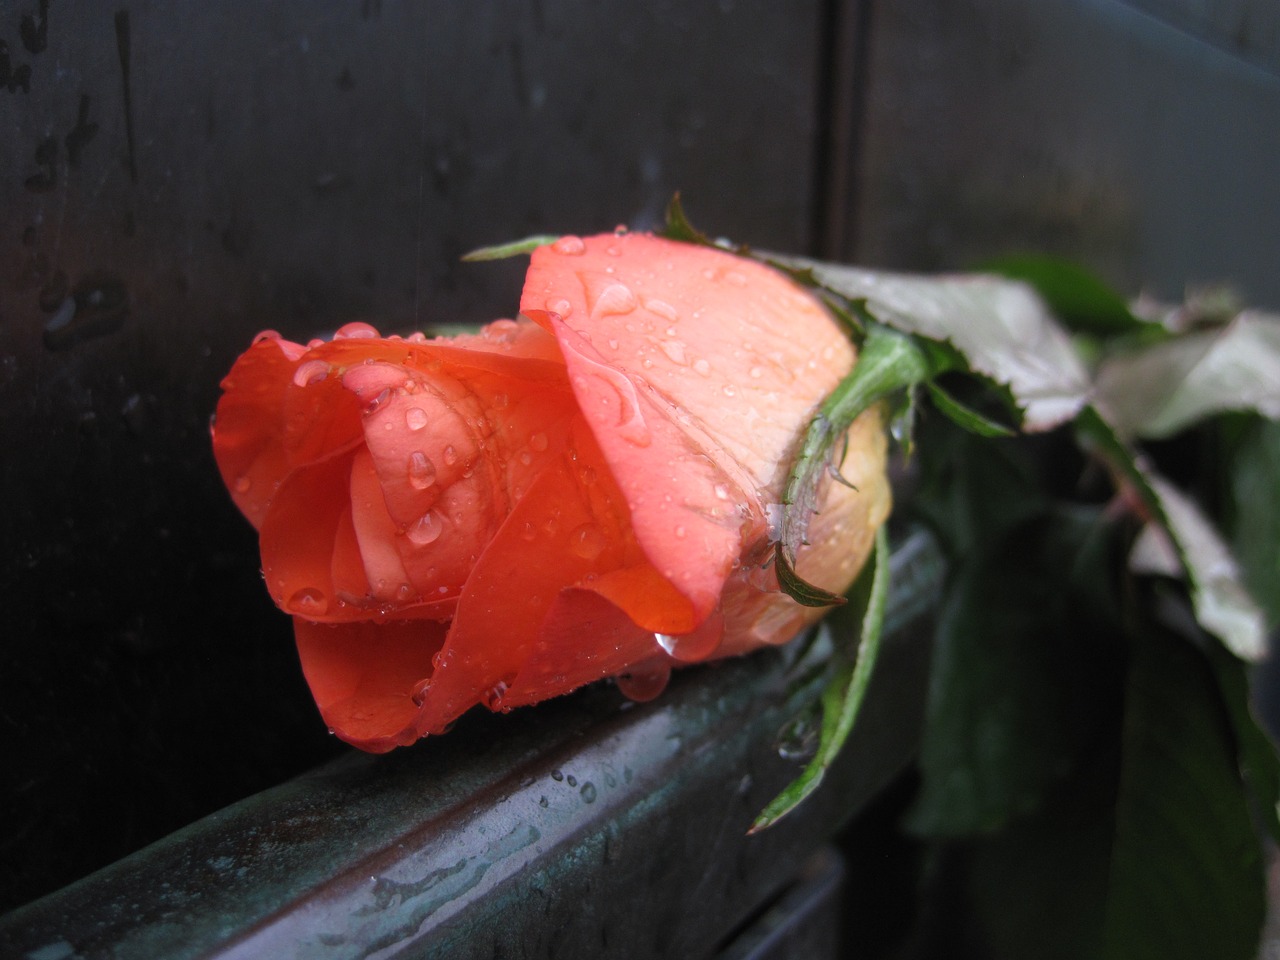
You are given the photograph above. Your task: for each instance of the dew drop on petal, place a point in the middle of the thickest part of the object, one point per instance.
(538, 442)
(587, 541)
(569, 246)
(494, 696)
(313, 371)
(426, 529)
(721, 491)
(662, 309)
(500, 401)
(526, 457)
(645, 681)
(355, 331)
(615, 300)
(373, 405)
(243, 484)
(450, 455)
(422, 472)
(730, 390)
(528, 531)
(674, 350)
(415, 418)
(702, 366)
(419, 692)
(561, 306)
(755, 373)
(307, 602)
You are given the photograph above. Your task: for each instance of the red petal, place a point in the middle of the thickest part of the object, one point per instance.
(363, 677)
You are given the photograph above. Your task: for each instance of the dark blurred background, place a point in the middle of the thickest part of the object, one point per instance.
(176, 176)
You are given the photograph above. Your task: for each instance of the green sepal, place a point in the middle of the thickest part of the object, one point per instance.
(504, 251)
(889, 361)
(966, 417)
(678, 227)
(797, 588)
(843, 696)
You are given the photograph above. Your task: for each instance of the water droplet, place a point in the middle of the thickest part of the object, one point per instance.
(587, 476)
(674, 350)
(526, 457)
(721, 491)
(450, 455)
(494, 696)
(587, 541)
(645, 681)
(588, 792)
(737, 279)
(528, 531)
(415, 418)
(416, 337)
(373, 405)
(538, 442)
(404, 591)
(422, 472)
(552, 526)
(500, 401)
(701, 366)
(615, 300)
(681, 533)
(662, 309)
(630, 425)
(613, 251)
(755, 373)
(243, 484)
(571, 780)
(501, 331)
(355, 331)
(798, 740)
(543, 801)
(570, 246)
(426, 529)
(730, 390)
(561, 306)
(613, 344)
(556, 775)
(621, 230)
(696, 645)
(307, 602)
(419, 692)
(313, 371)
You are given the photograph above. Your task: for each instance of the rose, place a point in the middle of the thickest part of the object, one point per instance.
(589, 491)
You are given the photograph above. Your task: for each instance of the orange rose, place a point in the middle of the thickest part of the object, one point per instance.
(589, 491)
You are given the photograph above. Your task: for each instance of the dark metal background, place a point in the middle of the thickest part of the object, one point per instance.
(175, 176)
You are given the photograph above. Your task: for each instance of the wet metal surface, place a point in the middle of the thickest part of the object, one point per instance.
(585, 827)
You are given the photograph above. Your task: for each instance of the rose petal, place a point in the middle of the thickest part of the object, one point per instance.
(363, 677)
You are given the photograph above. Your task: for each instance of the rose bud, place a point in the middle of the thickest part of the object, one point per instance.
(590, 491)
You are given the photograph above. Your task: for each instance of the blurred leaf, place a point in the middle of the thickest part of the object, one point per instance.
(1000, 327)
(678, 227)
(1186, 878)
(1253, 478)
(966, 417)
(1080, 299)
(1222, 604)
(515, 248)
(843, 696)
(1024, 676)
(1160, 390)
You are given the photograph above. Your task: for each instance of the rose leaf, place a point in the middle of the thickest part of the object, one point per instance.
(1076, 296)
(1186, 877)
(999, 327)
(516, 248)
(1162, 389)
(1182, 540)
(843, 696)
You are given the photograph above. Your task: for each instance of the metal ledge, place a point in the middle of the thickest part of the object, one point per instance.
(586, 826)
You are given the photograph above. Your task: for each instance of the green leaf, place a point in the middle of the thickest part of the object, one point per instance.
(1252, 470)
(1162, 389)
(1186, 878)
(1000, 328)
(515, 248)
(1024, 675)
(1222, 604)
(888, 362)
(1080, 299)
(1258, 761)
(678, 227)
(843, 696)
(966, 417)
